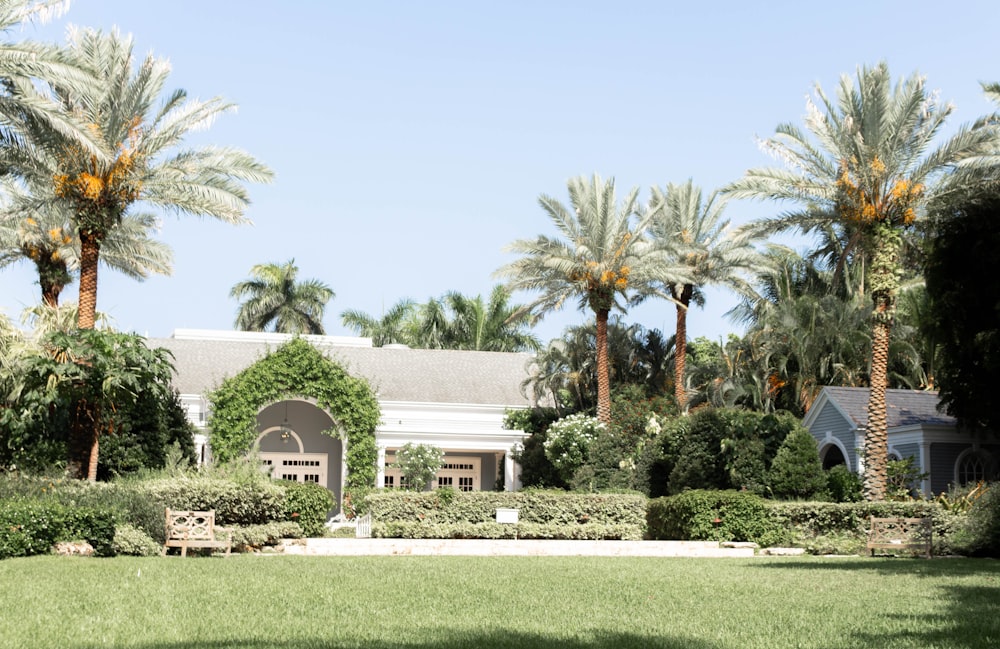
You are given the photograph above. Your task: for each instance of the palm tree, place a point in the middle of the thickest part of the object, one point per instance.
(141, 164)
(601, 255)
(460, 322)
(390, 329)
(693, 233)
(24, 63)
(870, 165)
(273, 298)
(40, 230)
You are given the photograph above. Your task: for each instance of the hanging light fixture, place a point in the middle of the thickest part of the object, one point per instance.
(286, 430)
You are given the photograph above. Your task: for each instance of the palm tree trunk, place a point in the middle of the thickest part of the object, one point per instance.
(50, 294)
(603, 375)
(876, 450)
(680, 347)
(83, 443)
(884, 288)
(90, 249)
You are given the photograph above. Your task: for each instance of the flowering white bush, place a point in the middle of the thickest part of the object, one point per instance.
(567, 442)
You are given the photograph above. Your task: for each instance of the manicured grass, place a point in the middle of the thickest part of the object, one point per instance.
(455, 602)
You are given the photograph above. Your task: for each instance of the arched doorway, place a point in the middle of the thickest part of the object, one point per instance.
(832, 456)
(292, 444)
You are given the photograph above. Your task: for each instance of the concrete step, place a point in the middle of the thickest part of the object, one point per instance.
(508, 547)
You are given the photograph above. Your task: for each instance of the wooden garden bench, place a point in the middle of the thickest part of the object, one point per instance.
(900, 534)
(191, 529)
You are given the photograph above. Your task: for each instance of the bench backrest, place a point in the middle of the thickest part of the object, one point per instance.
(190, 525)
(915, 529)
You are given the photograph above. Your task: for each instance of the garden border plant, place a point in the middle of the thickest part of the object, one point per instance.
(297, 369)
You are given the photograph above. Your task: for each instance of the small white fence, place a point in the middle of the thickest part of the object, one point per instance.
(364, 527)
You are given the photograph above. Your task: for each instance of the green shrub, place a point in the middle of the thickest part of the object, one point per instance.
(132, 541)
(419, 463)
(235, 503)
(702, 515)
(258, 536)
(584, 532)
(843, 485)
(355, 501)
(550, 509)
(568, 441)
(797, 471)
(308, 504)
(979, 535)
(29, 527)
(824, 527)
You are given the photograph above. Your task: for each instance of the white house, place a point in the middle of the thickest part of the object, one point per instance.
(455, 400)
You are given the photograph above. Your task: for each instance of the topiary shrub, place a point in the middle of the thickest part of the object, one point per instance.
(308, 504)
(701, 515)
(797, 471)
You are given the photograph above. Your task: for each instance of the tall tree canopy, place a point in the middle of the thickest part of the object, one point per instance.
(141, 161)
(871, 165)
(274, 297)
(962, 270)
(693, 233)
(600, 255)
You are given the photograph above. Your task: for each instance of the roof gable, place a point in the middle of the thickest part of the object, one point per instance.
(903, 407)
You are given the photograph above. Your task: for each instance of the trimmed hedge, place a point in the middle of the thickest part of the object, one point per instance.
(29, 527)
(584, 532)
(235, 503)
(446, 513)
(702, 515)
(811, 523)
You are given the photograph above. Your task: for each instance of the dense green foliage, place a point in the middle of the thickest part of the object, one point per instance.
(419, 463)
(542, 514)
(30, 527)
(82, 385)
(796, 472)
(961, 272)
(979, 533)
(714, 516)
(308, 504)
(297, 369)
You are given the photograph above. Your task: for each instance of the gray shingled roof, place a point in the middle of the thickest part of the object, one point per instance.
(903, 407)
(416, 375)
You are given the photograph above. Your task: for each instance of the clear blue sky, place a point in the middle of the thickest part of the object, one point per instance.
(411, 139)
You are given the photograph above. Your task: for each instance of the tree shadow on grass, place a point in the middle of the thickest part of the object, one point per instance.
(970, 615)
(901, 565)
(445, 639)
(970, 621)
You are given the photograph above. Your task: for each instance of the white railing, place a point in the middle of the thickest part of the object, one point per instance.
(364, 527)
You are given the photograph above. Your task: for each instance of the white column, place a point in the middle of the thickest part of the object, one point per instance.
(380, 468)
(925, 467)
(511, 476)
(200, 449)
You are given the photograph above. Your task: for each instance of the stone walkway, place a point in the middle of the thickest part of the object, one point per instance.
(509, 548)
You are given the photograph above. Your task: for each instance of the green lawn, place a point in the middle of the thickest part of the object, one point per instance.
(452, 602)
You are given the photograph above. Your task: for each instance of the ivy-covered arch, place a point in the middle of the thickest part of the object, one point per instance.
(296, 368)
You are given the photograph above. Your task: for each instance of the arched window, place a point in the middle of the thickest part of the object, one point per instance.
(973, 466)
